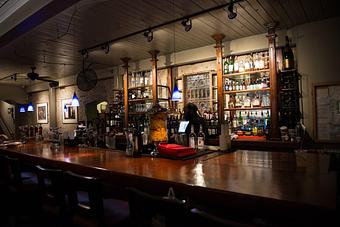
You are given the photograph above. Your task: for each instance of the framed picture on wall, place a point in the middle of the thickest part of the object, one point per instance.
(327, 112)
(42, 113)
(69, 112)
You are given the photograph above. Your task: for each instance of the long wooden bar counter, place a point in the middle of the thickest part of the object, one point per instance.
(271, 184)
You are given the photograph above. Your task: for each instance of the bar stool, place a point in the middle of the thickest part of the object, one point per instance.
(87, 205)
(147, 210)
(22, 192)
(52, 194)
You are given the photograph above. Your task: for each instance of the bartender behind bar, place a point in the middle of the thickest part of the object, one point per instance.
(192, 115)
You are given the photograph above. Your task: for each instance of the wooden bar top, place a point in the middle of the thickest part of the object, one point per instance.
(297, 178)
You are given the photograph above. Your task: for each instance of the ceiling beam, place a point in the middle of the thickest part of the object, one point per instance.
(43, 14)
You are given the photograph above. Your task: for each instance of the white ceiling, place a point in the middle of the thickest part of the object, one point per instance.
(53, 46)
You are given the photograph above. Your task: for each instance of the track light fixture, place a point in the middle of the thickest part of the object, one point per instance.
(231, 13)
(106, 48)
(187, 24)
(149, 35)
(85, 54)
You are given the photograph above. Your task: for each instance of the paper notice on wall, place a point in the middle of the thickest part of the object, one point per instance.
(328, 113)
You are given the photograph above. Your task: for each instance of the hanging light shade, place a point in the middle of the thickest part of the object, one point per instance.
(22, 109)
(75, 100)
(65, 109)
(30, 107)
(176, 94)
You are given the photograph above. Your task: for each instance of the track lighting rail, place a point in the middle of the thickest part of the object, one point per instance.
(100, 45)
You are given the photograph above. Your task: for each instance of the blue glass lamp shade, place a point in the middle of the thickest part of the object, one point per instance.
(30, 107)
(176, 94)
(65, 109)
(22, 109)
(75, 100)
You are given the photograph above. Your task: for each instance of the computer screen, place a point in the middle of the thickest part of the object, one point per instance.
(183, 126)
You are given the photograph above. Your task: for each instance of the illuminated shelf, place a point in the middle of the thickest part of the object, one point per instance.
(242, 91)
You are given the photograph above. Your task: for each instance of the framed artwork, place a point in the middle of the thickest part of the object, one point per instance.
(42, 113)
(327, 112)
(69, 113)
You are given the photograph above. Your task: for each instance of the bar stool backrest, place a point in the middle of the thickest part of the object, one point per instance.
(76, 184)
(148, 210)
(51, 184)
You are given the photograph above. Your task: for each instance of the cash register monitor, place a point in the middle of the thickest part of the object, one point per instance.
(183, 126)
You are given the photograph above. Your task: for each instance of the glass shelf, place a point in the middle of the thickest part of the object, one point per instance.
(243, 91)
(246, 73)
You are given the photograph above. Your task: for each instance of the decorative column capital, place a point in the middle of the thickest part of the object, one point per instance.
(154, 54)
(125, 60)
(271, 29)
(218, 37)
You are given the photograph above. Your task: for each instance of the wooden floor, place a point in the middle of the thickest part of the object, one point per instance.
(281, 183)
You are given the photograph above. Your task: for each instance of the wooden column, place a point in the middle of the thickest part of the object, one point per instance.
(219, 66)
(274, 118)
(154, 60)
(170, 85)
(126, 91)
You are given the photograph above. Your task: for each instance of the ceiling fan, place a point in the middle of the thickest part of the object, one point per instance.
(35, 76)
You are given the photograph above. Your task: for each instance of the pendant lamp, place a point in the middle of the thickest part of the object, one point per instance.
(30, 107)
(75, 100)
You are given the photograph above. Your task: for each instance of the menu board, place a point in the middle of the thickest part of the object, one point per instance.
(327, 116)
(197, 90)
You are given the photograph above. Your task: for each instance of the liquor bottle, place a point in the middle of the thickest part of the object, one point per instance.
(226, 66)
(231, 64)
(227, 85)
(192, 138)
(200, 139)
(236, 65)
(247, 101)
(288, 56)
(247, 64)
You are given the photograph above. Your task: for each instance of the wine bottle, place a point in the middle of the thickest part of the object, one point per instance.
(288, 56)
(231, 64)
(192, 138)
(200, 139)
(226, 66)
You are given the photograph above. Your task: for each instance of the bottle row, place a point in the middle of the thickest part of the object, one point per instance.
(250, 123)
(140, 107)
(248, 100)
(245, 63)
(137, 79)
(197, 141)
(198, 93)
(247, 84)
(140, 93)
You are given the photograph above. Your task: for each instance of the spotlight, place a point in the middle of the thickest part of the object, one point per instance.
(149, 35)
(187, 24)
(231, 13)
(106, 48)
